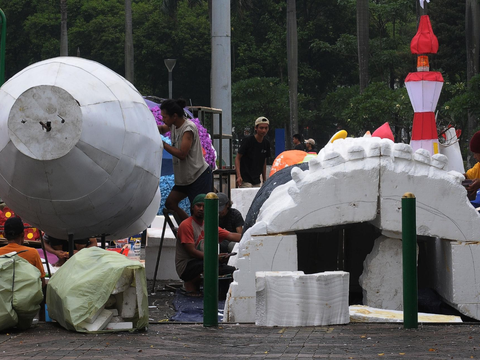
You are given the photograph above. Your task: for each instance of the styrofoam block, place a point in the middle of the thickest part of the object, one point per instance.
(382, 279)
(157, 223)
(128, 325)
(114, 312)
(124, 281)
(362, 313)
(291, 298)
(457, 274)
(94, 316)
(166, 266)
(242, 199)
(100, 323)
(258, 253)
(129, 303)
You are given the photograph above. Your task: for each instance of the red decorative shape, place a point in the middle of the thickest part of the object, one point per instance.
(424, 41)
(424, 76)
(424, 126)
(384, 132)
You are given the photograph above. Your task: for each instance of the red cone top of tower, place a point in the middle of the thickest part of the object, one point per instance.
(424, 41)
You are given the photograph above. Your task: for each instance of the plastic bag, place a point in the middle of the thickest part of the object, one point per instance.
(20, 292)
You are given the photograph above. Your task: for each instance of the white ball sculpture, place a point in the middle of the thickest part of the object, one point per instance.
(80, 153)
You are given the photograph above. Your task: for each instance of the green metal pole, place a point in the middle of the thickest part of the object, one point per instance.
(210, 262)
(2, 46)
(409, 254)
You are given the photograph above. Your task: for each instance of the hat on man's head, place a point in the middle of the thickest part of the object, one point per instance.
(262, 120)
(222, 201)
(200, 198)
(310, 141)
(13, 227)
(475, 143)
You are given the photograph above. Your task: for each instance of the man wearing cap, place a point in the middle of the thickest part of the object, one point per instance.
(229, 219)
(13, 230)
(189, 248)
(251, 160)
(310, 145)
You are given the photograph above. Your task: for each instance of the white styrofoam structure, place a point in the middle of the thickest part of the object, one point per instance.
(260, 253)
(291, 298)
(166, 266)
(242, 198)
(357, 180)
(383, 289)
(80, 152)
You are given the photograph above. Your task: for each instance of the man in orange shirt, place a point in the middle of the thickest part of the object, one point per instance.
(13, 230)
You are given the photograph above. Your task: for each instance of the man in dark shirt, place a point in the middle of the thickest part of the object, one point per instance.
(229, 219)
(298, 142)
(251, 160)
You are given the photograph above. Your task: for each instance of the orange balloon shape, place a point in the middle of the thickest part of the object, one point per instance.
(287, 158)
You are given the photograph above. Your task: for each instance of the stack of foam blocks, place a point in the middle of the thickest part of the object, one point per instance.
(123, 305)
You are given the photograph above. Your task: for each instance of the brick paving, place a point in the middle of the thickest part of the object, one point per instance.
(247, 341)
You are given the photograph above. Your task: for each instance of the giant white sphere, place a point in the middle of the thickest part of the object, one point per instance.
(80, 152)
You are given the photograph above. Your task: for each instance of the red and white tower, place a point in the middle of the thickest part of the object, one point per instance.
(424, 89)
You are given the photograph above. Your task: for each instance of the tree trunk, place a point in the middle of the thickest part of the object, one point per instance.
(128, 42)
(362, 42)
(292, 60)
(472, 29)
(63, 28)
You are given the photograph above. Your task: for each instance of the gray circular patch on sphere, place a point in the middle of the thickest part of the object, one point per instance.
(45, 122)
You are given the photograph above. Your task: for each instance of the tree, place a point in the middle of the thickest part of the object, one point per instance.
(129, 63)
(362, 41)
(63, 29)
(292, 60)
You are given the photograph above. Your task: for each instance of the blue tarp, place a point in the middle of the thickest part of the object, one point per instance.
(190, 309)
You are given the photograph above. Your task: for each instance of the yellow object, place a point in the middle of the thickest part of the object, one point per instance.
(342, 134)
(435, 148)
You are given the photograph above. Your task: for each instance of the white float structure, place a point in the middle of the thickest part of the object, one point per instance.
(359, 180)
(291, 298)
(80, 152)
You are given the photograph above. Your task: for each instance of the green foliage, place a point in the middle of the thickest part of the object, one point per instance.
(358, 113)
(256, 97)
(464, 100)
(327, 53)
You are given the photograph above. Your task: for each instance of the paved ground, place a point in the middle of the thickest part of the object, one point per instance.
(247, 341)
(168, 340)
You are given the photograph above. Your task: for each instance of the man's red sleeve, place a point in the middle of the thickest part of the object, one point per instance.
(222, 234)
(185, 233)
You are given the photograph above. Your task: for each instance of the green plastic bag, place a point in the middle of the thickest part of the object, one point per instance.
(84, 284)
(20, 292)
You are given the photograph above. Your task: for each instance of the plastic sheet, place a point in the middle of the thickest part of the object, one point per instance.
(20, 292)
(84, 284)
